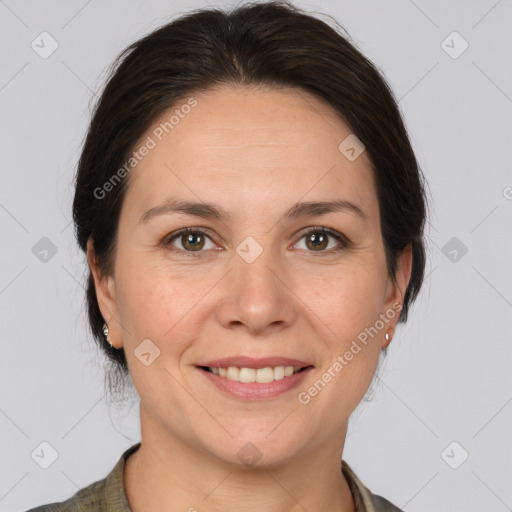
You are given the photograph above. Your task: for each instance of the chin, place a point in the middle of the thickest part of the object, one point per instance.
(257, 452)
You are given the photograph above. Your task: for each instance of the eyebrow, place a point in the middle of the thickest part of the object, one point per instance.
(212, 211)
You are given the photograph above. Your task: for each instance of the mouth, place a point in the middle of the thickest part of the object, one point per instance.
(248, 378)
(262, 383)
(262, 375)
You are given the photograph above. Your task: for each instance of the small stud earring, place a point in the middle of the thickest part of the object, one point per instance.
(388, 339)
(105, 332)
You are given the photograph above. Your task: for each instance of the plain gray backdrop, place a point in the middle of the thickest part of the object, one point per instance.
(436, 436)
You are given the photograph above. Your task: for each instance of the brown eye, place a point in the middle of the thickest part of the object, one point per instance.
(193, 241)
(190, 241)
(317, 240)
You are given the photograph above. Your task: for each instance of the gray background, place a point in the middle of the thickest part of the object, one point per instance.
(447, 375)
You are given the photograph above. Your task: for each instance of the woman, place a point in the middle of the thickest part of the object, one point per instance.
(252, 213)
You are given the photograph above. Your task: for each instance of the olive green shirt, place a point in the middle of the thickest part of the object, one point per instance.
(108, 494)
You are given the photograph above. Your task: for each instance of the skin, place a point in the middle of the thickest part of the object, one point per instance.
(255, 153)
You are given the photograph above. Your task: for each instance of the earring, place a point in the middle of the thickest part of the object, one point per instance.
(105, 332)
(388, 339)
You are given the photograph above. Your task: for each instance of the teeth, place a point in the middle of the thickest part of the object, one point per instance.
(279, 372)
(233, 373)
(244, 375)
(261, 375)
(264, 375)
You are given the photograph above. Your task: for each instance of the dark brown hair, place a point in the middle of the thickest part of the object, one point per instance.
(271, 44)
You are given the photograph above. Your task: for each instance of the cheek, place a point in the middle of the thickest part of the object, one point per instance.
(352, 342)
(160, 304)
(346, 297)
(349, 308)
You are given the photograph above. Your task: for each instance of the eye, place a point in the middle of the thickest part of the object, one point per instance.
(191, 240)
(317, 240)
(195, 240)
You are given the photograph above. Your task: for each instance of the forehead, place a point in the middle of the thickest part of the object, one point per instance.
(250, 146)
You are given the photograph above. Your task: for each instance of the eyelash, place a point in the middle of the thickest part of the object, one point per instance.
(343, 240)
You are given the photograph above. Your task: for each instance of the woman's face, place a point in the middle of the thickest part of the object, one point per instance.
(254, 281)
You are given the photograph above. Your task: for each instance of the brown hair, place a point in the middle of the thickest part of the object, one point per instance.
(271, 44)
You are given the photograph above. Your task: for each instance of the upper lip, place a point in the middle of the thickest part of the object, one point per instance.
(251, 362)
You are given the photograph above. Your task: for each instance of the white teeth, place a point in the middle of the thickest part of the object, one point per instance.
(279, 372)
(264, 375)
(233, 373)
(245, 375)
(261, 375)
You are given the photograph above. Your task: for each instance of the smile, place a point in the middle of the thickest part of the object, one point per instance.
(254, 384)
(261, 375)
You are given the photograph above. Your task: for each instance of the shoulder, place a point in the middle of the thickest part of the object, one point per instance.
(87, 499)
(364, 499)
(107, 494)
(382, 504)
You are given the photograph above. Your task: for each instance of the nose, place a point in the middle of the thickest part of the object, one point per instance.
(257, 297)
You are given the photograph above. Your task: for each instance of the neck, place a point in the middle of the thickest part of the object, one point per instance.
(167, 474)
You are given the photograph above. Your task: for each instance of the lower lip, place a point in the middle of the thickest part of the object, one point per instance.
(256, 390)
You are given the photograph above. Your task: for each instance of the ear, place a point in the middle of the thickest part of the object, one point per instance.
(106, 297)
(396, 290)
